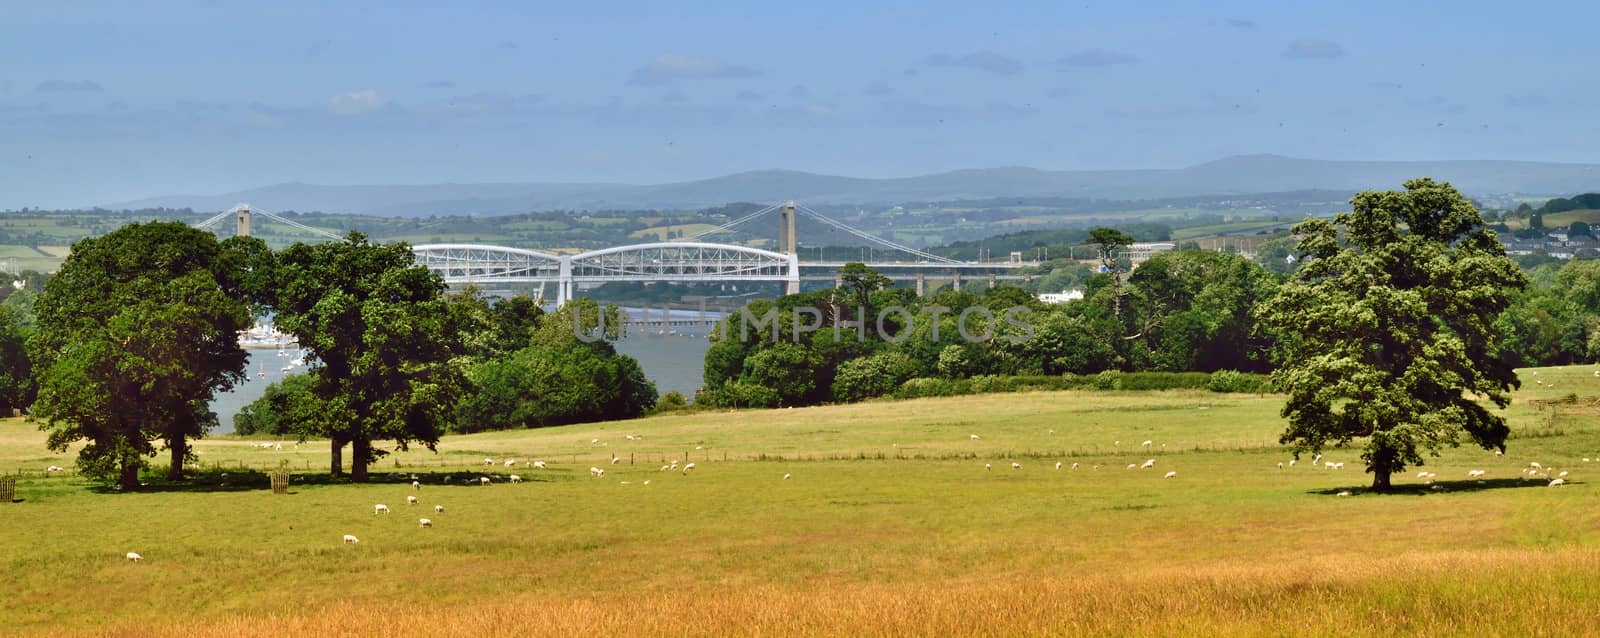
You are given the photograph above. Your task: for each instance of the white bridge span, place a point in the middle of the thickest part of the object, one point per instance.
(664, 261)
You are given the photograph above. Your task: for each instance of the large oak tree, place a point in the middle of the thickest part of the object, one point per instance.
(1387, 329)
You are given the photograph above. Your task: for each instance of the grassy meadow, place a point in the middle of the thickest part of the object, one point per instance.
(888, 525)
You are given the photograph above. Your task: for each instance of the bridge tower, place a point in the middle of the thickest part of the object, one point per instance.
(789, 245)
(242, 213)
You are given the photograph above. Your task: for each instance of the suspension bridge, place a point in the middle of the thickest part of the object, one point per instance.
(686, 260)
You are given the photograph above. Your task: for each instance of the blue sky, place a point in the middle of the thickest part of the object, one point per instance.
(106, 102)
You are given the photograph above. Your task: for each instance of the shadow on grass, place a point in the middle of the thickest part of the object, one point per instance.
(1439, 487)
(255, 480)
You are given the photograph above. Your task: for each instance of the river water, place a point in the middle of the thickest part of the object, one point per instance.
(673, 362)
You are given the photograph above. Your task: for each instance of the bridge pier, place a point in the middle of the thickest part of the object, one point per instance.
(991, 281)
(922, 283)
(955, 280)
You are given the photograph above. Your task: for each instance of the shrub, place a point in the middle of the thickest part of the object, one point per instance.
(1163, 380)
(1235, 381)
(1108, 380)
(871, 376)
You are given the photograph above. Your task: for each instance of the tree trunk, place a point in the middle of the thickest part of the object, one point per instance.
(128, 480)
(336, 466)
(360, 452)
(1383, 465)
(179, 445)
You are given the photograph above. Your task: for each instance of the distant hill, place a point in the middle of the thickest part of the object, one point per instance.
(1242, 174)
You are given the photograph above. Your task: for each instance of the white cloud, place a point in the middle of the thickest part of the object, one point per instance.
(356, 102)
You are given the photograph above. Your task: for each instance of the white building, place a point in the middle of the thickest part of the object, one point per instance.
(1060, 297)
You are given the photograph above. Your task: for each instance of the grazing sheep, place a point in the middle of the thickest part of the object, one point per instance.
(1585, 459)
(786, 476)
(597, 472)
(1327, 465)
(1475, 473)
(423, 522)
(350, 539)
(674, 465)
(628, 437)
(1422, 475)
(664, 468)
(987, 467)
(1145, 444)
(1172, 474)
(488, 461)
(1563, 474)
(614, 459)
(975, 437)
(438, 509)
(380, 509)
(1343, 493)
(647, 481)
(1292, 462)
(484, 480)
(510, 462)
(1558, 482)
(539, 464)
(686, 469)
(1148, 464)
(1074, 466)
(516, 479)
(135, 557)
(1132, 466)
(415, 485)
(594, 441)
(1535, 465)
(1280, 465)
(1058, 465)
(1339, 465)
(55, 468)
(1015, 465)
(411, 500)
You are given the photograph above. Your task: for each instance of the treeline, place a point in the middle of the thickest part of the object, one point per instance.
(127, 345)
(1180, 311)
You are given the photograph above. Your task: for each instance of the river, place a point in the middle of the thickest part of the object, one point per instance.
(673, 362)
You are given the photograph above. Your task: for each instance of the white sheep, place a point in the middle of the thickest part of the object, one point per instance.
(1172, 474)
(1074, 466)
(1148, 464)
(597, 472)
(135, 557)
(1132, 466)
(1058, 465)
(1558, 482)
(380, 509)
(686, 468)
(664, 468)
(538, 464)
(975, 437)
(1280, 465)
(1343, 493)
(1535, 465)
(423, 522)
(987, 467)
(1339, 465)
(1563, 474)
(488, 461)
(416, 485)
(411, 500)
(647, 481)
(594, 441)
(1422, 475)
(1145, 444)
(1015, 465)
(1475, 473)
(54, 468)
(614, 459)
(516, 479)
(787, 476)
(1292, 462)
(350, 539)
(510, 462)
(484, 480)
(438, 509)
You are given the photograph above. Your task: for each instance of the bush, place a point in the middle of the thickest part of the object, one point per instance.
(931, 387)
(871, 376)
(737, 394)
(1108, 380)
(1164, 380)
(1235, 381)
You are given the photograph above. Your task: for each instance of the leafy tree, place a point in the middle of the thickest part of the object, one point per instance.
(1386, 329)
(383, 335)
(872, 376)
(1579, 229)
(861, 282)
(17, 386)
(137, 332)
(288, 407)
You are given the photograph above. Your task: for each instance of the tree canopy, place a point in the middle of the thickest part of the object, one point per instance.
(1387, 329)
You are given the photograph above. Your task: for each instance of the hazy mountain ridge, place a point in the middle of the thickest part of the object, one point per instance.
(1239, 174)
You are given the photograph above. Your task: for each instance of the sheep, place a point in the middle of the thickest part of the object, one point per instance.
(380, 509)
(350, 539)
(1422, 475)
(1145, 444)
(1132, 466)
(1558, 482)
(1015, 465)
(975, 437)
(664, 468)
(416, 485)
(614, 459)
(1343, 493)
(787, 476)
(597, 472)
(411, 500)
(1280, 465)
(1475, 473)
(1339, 465)
(1563, 474)
(594, 441)
(1292, 462)
(1327, 465)
(628, 437)
(538, 464)
(1585, 459)
(423, 522)
(1148, 464)
(277, 447)
(987, 467)
(1172, 474)
(1535, 465)
(438, 509)
(1058, 465)
(516, 479)
(488, 461)
(484, 480)
(510, 462)
(647, 481)
(55, 468)
(686, 469)
(1074, 466)
(135, 557)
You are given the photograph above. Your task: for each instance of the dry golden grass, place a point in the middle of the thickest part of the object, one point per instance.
(1432, 594)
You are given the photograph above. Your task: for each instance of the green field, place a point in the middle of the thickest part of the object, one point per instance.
(890, 525)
